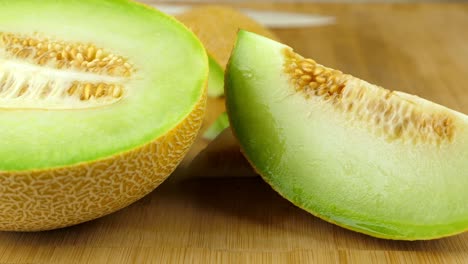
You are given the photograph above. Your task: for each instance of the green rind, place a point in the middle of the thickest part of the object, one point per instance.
(164, 51)
(255, 107)
(215, 79)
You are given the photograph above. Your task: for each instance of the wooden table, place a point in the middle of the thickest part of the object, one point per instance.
(417, 48)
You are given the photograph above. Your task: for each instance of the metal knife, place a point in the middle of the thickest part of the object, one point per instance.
(270, 19)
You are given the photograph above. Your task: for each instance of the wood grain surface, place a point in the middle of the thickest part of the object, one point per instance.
(416, 48)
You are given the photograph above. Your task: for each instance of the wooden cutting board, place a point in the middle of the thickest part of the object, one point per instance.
(417, 48)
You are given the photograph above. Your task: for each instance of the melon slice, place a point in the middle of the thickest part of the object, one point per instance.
(217, 26)
(384, 163)
(215, 79)
(220, 124)
(99, 101)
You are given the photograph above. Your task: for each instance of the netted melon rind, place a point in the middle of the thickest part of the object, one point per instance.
(55, 198)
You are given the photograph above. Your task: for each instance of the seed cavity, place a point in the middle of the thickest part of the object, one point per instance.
(38, 72)
(383, 112)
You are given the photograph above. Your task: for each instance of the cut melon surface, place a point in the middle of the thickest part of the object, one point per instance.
(380, 162)
(99, 101)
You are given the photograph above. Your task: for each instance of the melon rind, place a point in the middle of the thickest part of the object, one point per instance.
(49, 199)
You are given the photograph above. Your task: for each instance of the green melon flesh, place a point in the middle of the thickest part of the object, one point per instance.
(215, 79)
(340, 167)
(220, 124)
(170, 65)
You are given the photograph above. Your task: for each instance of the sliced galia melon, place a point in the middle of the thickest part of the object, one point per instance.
(217, 26)
(380, 162)
(99, 101)
(220, 124)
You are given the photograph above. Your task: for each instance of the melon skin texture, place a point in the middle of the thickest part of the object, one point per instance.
(89, 152)
(49, 199)
(332, 153)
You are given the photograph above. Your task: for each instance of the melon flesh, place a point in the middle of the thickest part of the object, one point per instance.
(215, 79)
(383, 163)
(220, 124)
(99, 101)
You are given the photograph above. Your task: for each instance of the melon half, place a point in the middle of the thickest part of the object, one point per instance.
(99, 101)
(384, 163)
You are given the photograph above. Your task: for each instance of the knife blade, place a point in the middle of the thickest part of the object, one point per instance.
(272, 19)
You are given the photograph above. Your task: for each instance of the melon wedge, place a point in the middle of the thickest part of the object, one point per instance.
(380, 162)
(220, 124)
(217, 26)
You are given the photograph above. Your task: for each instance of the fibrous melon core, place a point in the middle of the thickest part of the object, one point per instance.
(45, 73)
(390, 114)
